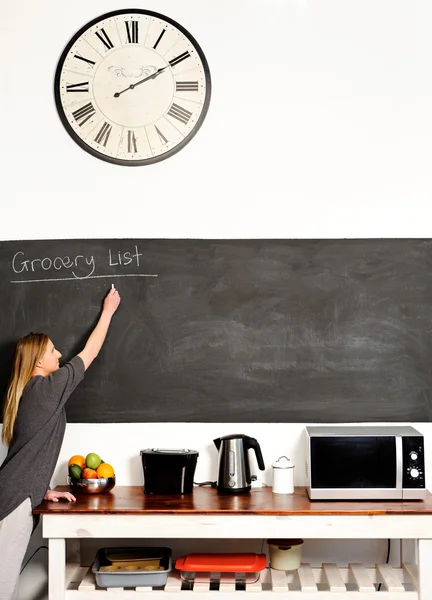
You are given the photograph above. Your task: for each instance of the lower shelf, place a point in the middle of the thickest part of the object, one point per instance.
(322, 583)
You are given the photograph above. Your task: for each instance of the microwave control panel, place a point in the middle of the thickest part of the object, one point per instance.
(413, 475)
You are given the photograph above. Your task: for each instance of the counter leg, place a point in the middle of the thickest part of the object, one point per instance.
(425, 571)
(408, 551)
(56, 569)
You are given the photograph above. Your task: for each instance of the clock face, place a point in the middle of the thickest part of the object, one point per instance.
(132, 87)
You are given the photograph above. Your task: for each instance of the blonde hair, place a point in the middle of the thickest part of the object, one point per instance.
(29, 350)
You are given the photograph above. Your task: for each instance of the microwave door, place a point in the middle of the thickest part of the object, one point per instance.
(356, 467)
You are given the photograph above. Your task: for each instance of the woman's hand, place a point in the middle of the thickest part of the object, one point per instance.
(111, 302)
(52, 496)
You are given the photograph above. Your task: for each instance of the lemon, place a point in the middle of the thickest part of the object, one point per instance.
(105, 470)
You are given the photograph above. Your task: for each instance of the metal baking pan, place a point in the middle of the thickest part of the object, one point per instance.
(129, 577)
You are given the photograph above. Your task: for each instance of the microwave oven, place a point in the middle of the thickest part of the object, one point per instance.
(365, 463)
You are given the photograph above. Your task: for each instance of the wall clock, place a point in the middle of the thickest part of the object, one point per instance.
(132, 87)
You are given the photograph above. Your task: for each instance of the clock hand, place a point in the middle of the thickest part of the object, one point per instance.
(153, 76)
(134, 85)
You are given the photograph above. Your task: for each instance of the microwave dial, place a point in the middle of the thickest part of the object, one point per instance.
(413, 456)
(414, 473)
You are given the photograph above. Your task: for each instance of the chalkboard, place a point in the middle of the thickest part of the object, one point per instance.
(232, 330)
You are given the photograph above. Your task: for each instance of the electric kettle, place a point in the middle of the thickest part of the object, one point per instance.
(233, 464)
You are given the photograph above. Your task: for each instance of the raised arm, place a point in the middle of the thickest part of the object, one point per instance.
(97, 337)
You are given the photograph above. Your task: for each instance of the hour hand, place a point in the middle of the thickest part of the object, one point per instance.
(133, 85)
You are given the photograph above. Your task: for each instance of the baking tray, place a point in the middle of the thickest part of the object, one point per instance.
(132, 578)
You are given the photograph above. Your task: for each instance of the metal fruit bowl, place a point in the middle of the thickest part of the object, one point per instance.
(91, 486)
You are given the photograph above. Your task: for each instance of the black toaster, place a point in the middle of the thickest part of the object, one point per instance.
(168, 471)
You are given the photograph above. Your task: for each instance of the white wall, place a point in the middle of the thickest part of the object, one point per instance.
(120, 443)
(319, 127)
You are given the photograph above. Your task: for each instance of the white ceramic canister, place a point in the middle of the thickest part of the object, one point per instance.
(283, 476)
(285, 555)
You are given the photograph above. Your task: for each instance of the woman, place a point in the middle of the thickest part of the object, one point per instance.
(34, 423)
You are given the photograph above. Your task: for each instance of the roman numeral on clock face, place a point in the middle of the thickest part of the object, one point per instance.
(161, 136)
(132, 32)
(178, 59)
(83, 58)
(103, 36)
(103, 134)
(186, 86)
(83, 114)
(179, 113)
(131, 142)
(159, 39)
(78, 87)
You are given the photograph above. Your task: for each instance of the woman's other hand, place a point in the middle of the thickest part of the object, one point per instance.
(111, 302)
(52, 496)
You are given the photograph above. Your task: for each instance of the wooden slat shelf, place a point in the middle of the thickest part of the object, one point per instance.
(355, 582)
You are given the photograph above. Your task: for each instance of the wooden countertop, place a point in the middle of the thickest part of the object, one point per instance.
(206, 501)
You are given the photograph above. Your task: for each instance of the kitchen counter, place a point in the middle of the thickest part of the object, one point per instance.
(126, 513)
(206, 501)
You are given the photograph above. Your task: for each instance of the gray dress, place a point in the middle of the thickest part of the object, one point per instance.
(38, 435)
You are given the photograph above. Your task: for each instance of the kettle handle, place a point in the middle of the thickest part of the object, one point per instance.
(253, 443)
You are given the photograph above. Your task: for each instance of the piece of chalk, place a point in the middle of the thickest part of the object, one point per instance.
(112, 286)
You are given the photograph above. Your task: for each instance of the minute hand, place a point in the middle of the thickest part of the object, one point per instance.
(134, 85)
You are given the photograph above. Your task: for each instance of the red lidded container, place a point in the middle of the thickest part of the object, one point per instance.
(245, 565)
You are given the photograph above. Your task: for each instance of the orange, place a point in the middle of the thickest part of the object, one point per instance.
(89, 474)
(105, 470)
(77, 459)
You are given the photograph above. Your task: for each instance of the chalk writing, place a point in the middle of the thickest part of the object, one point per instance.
(80, 266)
(19, 265)
(124, 258)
